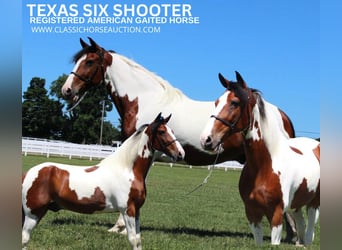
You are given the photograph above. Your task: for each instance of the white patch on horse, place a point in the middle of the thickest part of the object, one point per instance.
(70, 78)
(254, 132)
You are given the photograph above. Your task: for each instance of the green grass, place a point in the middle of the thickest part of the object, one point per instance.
(212, 217)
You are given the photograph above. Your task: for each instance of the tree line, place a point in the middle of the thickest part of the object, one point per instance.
(44, 116)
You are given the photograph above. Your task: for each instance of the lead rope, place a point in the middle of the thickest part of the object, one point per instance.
(205, 181)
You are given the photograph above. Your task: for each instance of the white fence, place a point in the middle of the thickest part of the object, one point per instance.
(72, 150)
(64, 149)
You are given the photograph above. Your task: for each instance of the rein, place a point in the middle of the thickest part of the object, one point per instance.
(78, 102)
(205, 180)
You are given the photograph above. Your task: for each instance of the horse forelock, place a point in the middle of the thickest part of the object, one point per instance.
(82, 52)
(85, 51)
(243, 95)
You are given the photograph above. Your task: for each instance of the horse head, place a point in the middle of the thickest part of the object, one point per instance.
(162, 138)
(231, 114)
(90, 67)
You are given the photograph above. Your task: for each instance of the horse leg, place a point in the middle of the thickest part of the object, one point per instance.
(300, 225)
(119, 226)
(257, 232)
(132, 233)
(29, 223)
(255, 224)
(276, 222)
(313, 214)
(290, 227)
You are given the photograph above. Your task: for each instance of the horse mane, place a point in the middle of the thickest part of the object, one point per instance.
(140, 129)
(243, 95)
(260, 101)
(169, 89)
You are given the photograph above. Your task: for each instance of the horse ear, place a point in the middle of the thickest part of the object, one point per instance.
(159, 117)
(166, 120)
(240, 80)
(224, 81)
(93, 43)
(83, 43)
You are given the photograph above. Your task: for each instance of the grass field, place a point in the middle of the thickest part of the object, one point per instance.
(212, 217)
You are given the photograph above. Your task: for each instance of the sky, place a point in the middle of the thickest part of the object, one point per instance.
(275, 45)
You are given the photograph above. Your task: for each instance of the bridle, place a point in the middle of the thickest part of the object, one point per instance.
(231, 125)
(154, 137)
(89, 81)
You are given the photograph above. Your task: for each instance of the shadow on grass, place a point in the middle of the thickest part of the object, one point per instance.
(179, 230)
(198, 232)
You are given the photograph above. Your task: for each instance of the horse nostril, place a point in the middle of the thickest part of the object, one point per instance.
(67, 92)
(208, 143)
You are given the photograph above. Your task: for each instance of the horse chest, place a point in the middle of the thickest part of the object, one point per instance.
(260, 189)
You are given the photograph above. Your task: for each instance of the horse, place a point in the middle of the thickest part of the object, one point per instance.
(280, 174)
(117, 183)
(138, 94)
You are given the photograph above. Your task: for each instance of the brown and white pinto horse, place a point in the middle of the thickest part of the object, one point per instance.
(139, 94)
(280, 174)
(117, 183)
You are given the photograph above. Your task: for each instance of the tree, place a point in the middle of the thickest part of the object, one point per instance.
(41, 117)
(84, 121)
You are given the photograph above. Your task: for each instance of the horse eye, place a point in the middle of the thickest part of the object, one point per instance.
(235, 103)
(161, 132)
(89, 62)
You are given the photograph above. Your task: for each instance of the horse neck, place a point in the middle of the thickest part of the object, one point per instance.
(129, 79)
(264, 137)
(135, 153)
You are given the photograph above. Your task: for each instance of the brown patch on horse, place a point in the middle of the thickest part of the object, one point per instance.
(256, 125)
(91, 169)
(287, 123)
(137, 194)
(317, 152)
(107, 59)
(129, 120)
(303, 196)
(260, 187)
(52, 185)
(296, 150)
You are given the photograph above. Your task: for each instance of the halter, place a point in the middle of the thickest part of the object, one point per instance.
(154, 136)
(232, 125)
(89, 81)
